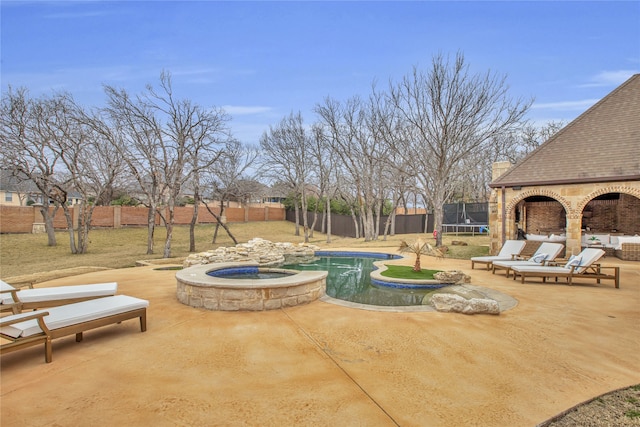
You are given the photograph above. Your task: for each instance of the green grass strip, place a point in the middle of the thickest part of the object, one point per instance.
(406, 272)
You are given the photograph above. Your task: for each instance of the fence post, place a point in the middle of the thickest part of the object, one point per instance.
(37, 226)
(117, 216)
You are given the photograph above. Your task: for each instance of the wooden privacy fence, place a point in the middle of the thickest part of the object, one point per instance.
(343, 225)
(28, 219)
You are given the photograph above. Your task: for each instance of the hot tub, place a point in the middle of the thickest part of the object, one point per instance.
(205, 286)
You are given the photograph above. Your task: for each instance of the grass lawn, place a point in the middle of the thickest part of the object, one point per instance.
(406, 272)
(119, 248)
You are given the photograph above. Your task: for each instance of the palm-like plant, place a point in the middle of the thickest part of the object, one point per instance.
(418, 248)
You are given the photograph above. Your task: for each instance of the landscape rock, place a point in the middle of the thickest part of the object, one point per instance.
(446, 302)
(453, 276)
(258, 250)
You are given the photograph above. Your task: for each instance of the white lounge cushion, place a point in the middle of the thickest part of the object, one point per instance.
(62, 292)
(511, 264)
(551, 249)
(4, 286)
(512, 247)
(491, 258)
(584, 259)
(72, 314)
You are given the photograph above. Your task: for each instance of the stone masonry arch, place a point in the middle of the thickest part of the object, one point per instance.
(539, 192)
(605, 190)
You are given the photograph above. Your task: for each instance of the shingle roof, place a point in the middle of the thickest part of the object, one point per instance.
(602, 144)
(19, 183)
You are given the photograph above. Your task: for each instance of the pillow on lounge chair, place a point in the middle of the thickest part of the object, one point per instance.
(538, 258)
(537, 237)
(574, 261)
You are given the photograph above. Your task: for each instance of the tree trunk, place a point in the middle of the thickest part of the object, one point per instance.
(169, 227)
(194, 219)
(84, 226)
(220, 223)
(328, 220)
(297, 211)
(438, 212)
(151, 227)
(72, 237)
(305, 216)
(355, 222)
(48, 224)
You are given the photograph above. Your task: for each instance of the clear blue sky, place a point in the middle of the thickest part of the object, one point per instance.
(262, 60)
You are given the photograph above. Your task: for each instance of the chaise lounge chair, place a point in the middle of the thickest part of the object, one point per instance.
(579, 266)
(509, 251)
(545, 253)
(17, 300)
(42, 326)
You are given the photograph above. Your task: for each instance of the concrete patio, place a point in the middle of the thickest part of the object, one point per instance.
(327, 365)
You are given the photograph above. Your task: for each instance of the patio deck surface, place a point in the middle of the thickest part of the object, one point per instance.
(327, 365)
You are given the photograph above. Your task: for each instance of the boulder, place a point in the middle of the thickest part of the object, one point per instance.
(446, 302)
(453, 276)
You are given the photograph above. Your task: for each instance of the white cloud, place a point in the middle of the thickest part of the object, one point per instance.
(609, 78)
(565, 105)
(241, 110)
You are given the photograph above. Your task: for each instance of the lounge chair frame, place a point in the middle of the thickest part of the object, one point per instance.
(48, 335)
(522, 259)
(593, 271)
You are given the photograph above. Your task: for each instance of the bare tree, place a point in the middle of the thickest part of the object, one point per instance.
(165, 136)
(448, 115)
(353, 137)
(140, 147)
(473, 174)
(28, 150)
(224, 179)
(91, 161)
(286, 151)
(327, 163)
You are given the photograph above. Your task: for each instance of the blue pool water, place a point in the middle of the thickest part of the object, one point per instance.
(247, 273)
(349, 279)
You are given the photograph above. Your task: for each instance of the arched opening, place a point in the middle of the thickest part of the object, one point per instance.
(540, 215)
(617, 213)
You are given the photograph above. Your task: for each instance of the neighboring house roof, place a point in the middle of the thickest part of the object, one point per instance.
(21, 183)
(601, 145)
(16, 184)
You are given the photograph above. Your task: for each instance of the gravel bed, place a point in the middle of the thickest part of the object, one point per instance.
(619, 408)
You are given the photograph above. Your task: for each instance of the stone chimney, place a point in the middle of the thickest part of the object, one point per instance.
(499, 168)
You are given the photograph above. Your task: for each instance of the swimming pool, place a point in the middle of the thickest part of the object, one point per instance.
(349, 279)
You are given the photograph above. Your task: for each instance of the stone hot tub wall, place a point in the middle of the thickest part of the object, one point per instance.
(197, 289)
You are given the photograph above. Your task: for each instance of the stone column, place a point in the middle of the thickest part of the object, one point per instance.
(38, 225)
(574, 234)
